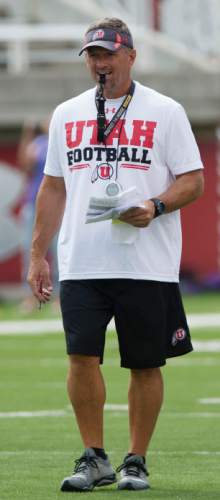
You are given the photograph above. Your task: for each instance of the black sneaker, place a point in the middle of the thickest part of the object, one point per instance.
(90, 471)
(133, 474)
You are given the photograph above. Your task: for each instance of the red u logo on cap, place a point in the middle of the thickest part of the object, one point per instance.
(98, 35)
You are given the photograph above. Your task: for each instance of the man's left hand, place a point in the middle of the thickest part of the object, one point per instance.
(139, 216)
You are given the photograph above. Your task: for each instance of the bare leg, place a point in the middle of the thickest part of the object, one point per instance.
(145, 399)
(86, 391)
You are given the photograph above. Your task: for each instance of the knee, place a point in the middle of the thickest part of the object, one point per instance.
(146, 374)
(82, 364)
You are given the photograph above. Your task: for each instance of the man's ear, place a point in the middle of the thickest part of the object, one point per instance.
(132, 54)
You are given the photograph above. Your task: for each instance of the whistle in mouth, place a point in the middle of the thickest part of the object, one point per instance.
(102, 79)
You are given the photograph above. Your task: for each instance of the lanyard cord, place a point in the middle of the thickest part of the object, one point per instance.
(100, 104)
(103, 130)
(119, 135)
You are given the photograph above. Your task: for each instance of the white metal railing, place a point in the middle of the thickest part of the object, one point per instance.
(197, 23)
(18, 53)
(139, 12)
(132, 11)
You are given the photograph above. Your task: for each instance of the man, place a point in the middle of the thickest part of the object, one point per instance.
(128, 270)
(32, 152)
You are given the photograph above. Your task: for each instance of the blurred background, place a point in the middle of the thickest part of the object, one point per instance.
(178, 45)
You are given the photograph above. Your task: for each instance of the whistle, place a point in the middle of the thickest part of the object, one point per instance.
(101, 109)
(102, 78)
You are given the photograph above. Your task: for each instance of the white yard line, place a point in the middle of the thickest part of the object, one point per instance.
(178, 362)
(182, 361)
(30, 327)
(185, 452)
(206, 345)
(199, 346)
(41, 326)
(34, 414)
(203, 320)
(45, 453)
(209, 401)
(119, 408)
(210, 345)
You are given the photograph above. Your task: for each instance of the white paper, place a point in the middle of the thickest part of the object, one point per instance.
(111, 207)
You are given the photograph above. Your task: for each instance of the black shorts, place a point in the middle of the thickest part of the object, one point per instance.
(149, 318)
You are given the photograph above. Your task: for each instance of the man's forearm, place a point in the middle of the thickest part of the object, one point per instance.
(186, 188)
(50, 206)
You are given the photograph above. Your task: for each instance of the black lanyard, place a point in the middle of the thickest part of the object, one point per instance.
(103, 130)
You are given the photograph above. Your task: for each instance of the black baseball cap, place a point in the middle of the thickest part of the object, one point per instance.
(108, 38)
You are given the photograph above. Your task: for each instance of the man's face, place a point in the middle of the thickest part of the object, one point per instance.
(115, 65)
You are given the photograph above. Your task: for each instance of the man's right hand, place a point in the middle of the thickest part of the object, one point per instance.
(39, 279)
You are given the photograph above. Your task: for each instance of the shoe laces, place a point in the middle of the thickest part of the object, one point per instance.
(132, 467)
(82, 463)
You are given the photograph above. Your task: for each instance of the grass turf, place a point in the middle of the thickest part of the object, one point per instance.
(36, 453)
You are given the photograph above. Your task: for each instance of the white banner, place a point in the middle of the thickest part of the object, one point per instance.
(11, 187)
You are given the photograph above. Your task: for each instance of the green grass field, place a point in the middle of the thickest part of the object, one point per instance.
(37, 452)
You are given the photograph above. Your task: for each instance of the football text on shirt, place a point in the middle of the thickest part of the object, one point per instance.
(133, 150)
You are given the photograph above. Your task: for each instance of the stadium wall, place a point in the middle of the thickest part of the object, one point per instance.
(201, 221)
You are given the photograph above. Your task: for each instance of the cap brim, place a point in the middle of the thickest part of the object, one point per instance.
(112, 46)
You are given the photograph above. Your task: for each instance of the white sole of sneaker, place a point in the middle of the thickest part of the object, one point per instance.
(105, 481)
(130, 486)
(69, 487)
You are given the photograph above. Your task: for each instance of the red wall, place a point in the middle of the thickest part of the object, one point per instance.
(199, 220)
(10, 269)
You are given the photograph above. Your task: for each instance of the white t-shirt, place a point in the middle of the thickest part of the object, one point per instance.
(153, 144)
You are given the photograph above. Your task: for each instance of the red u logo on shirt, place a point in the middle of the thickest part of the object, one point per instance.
(103, 171)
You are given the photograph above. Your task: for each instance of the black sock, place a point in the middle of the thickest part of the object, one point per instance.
(100, 452)
(131, 454)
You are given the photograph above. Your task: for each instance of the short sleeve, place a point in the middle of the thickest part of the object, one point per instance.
(181, 151)
(53, 165)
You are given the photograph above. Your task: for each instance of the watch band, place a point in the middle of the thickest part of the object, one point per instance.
(159, 207)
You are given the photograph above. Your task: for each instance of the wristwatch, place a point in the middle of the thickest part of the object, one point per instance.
(159, 207)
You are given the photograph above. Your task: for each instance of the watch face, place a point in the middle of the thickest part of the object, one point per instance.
(159, 206)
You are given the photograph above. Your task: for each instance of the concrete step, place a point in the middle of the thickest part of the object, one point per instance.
(35, 94)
